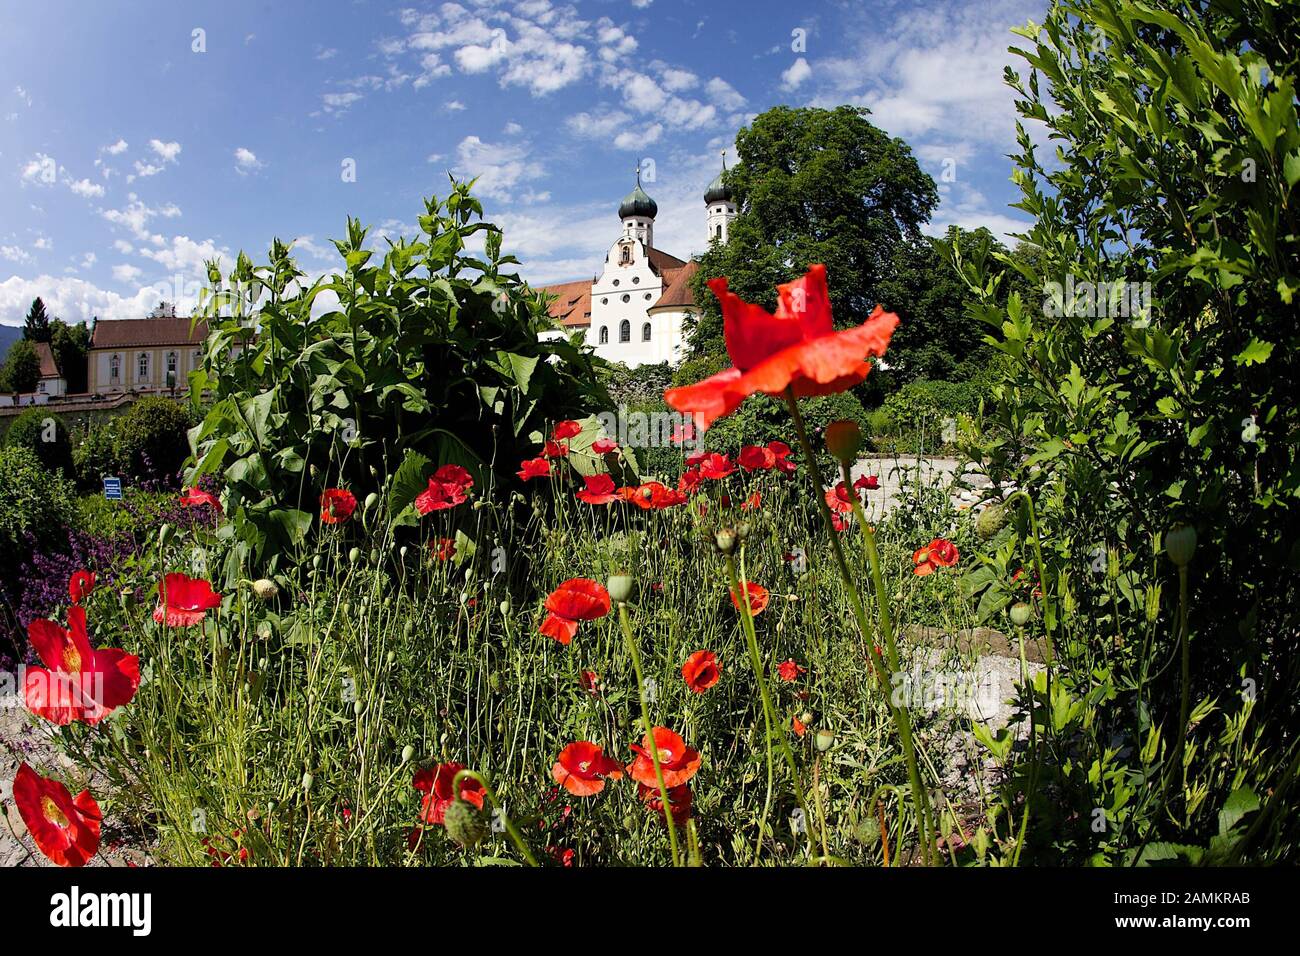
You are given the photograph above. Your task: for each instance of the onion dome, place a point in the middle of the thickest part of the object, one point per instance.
(718, 191)
(638, 203)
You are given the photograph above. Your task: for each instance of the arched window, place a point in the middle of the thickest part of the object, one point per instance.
(604, 335)
(719, 232)
(645, 332)
(625, 256)
(142, 367)
(625, 331)
(171, 362)
(115, 368)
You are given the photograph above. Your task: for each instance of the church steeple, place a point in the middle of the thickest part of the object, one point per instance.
(721, 208)
(638, 211)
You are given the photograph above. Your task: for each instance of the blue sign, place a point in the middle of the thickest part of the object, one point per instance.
(113, 489)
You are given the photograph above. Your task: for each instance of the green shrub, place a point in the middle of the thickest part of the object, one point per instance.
(42, 432)
(95, 457)
(150, 440)
(33, 501)
(431, 357)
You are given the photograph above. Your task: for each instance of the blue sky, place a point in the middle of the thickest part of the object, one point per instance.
(132, 147)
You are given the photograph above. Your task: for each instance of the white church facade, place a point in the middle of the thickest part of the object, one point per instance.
(635, 310)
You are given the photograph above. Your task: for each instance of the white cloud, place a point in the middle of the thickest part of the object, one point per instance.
(599, 125)
(794, 77)
(638, 138)
(136, 216)
(246, 161)
(339, 102)
(15, 254)
(500, 168)
(40, 170)
(454, 106)
(676, 80)
(85, 188)
(78, 300)
(124, 247)
(168, 152)
(115, 149)
(184, 255)
(126, 272)
(43, 242)
(327, 54)
(724, 94)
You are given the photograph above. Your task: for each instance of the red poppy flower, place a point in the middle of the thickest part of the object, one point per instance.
(64, 828)
(841, 522)
(796, 348)
(82, 683)
(689, 481)
(534, 468)
(867, 483)
(757, 595)
(679, 802)
(435, 783)
(677, 761)
(683, 433)
(590, 682)
(603, 446)
(753, 502)
(790, 671)
(439, 495)
(577, 599)
(337, 505)
(80, 585)
(197, 496)
(756, 458)
(555, 449)
(798, 727)
(454, 475)
(716, 466)
(783, 462)
(581, 767)
(599, 490)
(184, 600)
(652, 495)
(701, 671)
(939, 553)
(565, 429)
(839, 498)
(444, 549)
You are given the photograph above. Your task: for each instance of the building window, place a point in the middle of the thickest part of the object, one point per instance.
(625, 256)
(625, 331)
(171, 362)
(115, 368)
(615, 282)
(636, 280)
(645, 332)
(648, 297)
(142, 367)
(719, 232)
(626, 297)
(604, 335)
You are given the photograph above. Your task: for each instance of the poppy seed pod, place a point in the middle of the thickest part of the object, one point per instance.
(620, 587)
(307, 781)
(825, 740)
(724, 539)
(1180, 544)
(990, 521)
(265, 590)
(844, 440)
(1021, 614)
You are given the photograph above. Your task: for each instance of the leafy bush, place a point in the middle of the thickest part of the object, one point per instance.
(430, 357)
(43, 433)
(95, 456)
(149, 440)
(1170, 403)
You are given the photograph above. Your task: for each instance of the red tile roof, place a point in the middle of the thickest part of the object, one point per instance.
(571, 305)
(147, 333)
(49, 367)
(662, 262)
(677, 288)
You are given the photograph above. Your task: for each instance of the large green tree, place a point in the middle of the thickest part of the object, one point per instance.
(815, 185)
(36, 326)
(22, 368)
(70, 342)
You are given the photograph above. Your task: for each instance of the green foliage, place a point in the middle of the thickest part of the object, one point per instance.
(815, 185)
(43, 432)
(21, 371)
(32, 501)
(95, 456)
(36, 324)
(148, 442)
(69, 343)
(428, 352)
(1176, 149)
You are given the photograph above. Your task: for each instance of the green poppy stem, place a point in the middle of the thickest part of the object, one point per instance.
(496, 805)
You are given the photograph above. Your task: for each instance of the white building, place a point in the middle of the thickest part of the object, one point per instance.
(635, 310)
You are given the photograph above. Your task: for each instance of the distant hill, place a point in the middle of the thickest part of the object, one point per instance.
(9, 334)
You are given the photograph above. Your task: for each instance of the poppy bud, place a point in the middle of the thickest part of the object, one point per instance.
(742, 531)
(370, 501)
(806, 717)
(265, 590)
(990, 521)
(1180, 544)
(164, 535)
(307, 781)
(504, 608)
(825, 740)
(359, 707)
(725, 540)
(407, 753)
(391, 657)
(619, 587)
(401, 552)
(354, 555)
(844, 440)
(315, 561)
(1021, 613)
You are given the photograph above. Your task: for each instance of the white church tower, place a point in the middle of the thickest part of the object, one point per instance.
(721, 208)
(638, 211)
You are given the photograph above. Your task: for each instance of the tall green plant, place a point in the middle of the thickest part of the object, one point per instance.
(420, 355)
